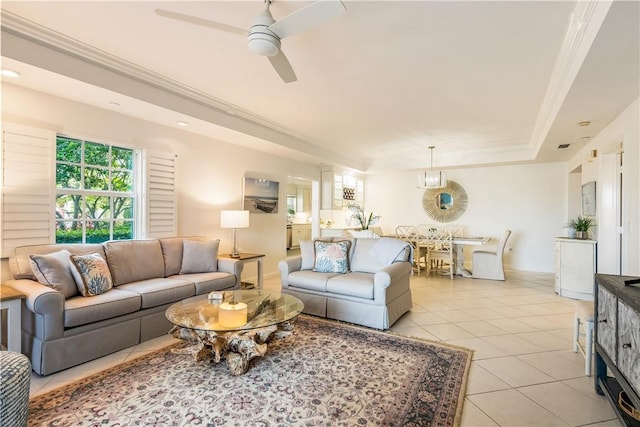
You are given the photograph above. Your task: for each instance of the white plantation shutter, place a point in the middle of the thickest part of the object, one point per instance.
(28, 187)
(161, 211)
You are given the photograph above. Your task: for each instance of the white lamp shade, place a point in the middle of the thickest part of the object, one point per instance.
(234, 219)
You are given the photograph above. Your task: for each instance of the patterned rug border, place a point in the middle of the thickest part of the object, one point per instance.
(93, 377)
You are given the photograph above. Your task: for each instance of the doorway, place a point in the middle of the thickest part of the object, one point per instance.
(611, 213)
(302, 212)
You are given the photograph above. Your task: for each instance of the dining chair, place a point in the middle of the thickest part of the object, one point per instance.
(440, 251)
(409, 233)
(457, 230)
(422, 246)
(487, 264)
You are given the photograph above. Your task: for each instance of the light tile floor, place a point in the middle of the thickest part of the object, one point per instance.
(523, 371)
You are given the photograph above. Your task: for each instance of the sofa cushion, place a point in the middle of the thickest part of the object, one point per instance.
(208, 282)
(363, 260)
(134, 260)
(155, 292)
(81, 311)
(20, 263)
(354, 284)
(91, 274)
(54, 270)
(307, 253)
(388, 250)
(331, 257)
(199, 257)
(310, 280)
(172, 253)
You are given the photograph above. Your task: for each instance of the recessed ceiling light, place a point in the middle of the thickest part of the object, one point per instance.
(182, 123)
(10, 73)
(561, 146)
(584, 123)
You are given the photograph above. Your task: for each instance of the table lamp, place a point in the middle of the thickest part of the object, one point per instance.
(234, 219)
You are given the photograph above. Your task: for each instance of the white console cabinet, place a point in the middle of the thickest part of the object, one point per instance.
(575, 268)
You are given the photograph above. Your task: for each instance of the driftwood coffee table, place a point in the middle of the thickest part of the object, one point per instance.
(270, 315)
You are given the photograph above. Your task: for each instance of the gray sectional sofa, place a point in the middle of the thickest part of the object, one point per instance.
(62, 328)
(373, 291)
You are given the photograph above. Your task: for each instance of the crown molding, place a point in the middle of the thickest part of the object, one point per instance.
(25, 29)
(229, 115)
(585, 22)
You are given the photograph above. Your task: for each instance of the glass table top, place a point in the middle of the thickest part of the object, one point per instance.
(264, 308)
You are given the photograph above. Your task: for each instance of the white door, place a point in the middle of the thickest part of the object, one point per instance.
(609, 208)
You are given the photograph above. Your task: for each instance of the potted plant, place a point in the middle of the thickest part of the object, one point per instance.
(582, 225)
(365, 221)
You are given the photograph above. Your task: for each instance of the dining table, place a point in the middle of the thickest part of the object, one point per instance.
(459, 243)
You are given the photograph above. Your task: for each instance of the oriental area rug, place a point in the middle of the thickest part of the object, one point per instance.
(325, 373)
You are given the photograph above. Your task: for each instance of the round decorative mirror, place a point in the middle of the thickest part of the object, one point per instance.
(445, 204)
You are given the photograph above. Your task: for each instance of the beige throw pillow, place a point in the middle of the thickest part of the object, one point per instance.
(199, 257)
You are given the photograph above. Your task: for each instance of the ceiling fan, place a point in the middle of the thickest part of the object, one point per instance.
(265, 33)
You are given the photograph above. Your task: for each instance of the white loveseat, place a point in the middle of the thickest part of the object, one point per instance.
(374, 291)
(63, 328)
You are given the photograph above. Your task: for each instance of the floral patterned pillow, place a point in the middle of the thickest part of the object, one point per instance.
(91, 274)
(331, 257)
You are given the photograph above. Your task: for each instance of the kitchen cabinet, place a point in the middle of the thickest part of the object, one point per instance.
(300, 232)
(617, 342)
(575, 266)
(303, 200)
(338, 190)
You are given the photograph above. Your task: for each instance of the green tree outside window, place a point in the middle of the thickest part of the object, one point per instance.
(95, 185)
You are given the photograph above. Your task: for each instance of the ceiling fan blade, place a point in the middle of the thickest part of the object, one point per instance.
(308, 17)
(283, 67)
(200, 21)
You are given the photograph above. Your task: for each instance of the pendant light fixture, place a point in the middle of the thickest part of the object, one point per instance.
(431, 178)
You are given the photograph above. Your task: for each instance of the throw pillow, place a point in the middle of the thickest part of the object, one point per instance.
(54, 270)
(331, 257)
(307, 254)
(91, 274)
(199, 257)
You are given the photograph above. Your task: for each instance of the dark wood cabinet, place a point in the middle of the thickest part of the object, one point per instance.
(617, 341)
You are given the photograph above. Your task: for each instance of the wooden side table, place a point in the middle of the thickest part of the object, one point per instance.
(11, 300)
(247, 257)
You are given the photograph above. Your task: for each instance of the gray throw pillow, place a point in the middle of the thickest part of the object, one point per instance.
(199, 257)
(54, 270)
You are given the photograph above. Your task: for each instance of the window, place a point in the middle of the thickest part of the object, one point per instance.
(96, 191)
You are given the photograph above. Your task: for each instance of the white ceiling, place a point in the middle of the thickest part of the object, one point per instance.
(486, 82)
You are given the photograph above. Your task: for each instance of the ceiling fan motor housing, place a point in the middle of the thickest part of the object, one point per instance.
(261, 39)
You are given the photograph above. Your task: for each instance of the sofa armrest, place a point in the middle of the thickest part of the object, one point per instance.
(288, 266)
(391, 280)
(46, 304)
(231, 266)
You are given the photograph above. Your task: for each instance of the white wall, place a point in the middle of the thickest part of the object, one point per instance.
(530, 200)
(209, 173)
(624, 130)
